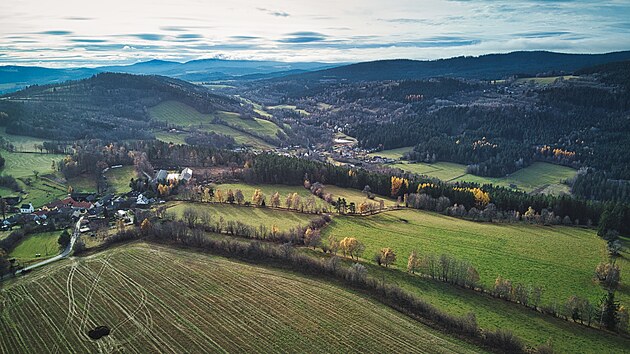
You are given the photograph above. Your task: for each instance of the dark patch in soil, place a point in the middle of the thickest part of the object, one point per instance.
(98, 332)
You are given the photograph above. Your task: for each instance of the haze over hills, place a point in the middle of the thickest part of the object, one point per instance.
(13, 78)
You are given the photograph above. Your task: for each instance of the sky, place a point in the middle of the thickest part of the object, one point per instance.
(64, 33)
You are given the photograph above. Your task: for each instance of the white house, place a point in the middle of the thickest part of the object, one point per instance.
(142, 200)
(27, 208)
(186, 174)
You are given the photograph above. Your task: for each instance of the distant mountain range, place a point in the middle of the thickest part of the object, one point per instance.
(13, 78)
(491, 66)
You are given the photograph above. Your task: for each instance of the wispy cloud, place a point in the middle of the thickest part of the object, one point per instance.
(56, 33)
(148, 36)
(303, 37)
(273, 12)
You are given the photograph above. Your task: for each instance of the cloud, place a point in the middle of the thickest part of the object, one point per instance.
(87, 40)
(404, 20)
(303, 37)
(174, 29)
(189, 36)
(78, 18)
(148, 36)
(541, 34)
(273, 13)
(56, 33)
(245, 38)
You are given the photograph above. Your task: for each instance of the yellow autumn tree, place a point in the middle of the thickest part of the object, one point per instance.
(350, 246)
(258, 198)
(220, 196)
(388, 256)
(481, 198)
(145, 226)
(275, 200)
(397, 184)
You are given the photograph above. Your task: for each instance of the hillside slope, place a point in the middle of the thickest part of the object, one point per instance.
(491, 66)
(154, 299)
(107, 106)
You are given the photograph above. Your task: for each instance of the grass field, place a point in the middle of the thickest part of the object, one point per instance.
(83, 183)
(355, 195)
(395, 154)
(22, 143)
(534, 328)
(270, 189)
(186, 116)
(546, 80)
(562, 259)
(226, 307)
(284, 220)
(118, 179)
(239, 137)
(537, 176)
(44, 243)
(23, 164)
(290, 107)
(168, 137)
(42, 190)
(445, 171)
(540, 177)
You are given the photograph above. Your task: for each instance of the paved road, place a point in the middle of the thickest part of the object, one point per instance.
(64, 254)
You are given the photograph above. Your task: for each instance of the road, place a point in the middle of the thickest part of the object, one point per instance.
(64, 254)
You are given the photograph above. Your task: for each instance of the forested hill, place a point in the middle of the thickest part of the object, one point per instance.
(488, 67)
(107, 106)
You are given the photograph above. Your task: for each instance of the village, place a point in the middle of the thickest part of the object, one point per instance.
(97, 212)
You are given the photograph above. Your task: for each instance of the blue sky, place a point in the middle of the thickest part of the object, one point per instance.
(83, 33)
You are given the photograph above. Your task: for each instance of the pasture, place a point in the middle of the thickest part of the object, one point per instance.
(355, 195)
(539, 177)
(445, 171)
(545, 80)
(240, 137)
(118, 179)
(44, 243)
(534, 328)
(20, 142)
(289, 107)
(251, 216)
(83, 183)
(270, 189)
(42, 190)
(395, 154)
(245, 131)
(18, 164)
(561, 259)
(177, 138)
(136, 291)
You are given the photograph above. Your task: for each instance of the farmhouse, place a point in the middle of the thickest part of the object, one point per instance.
(142, 200)
(27, 208)
(163, 175)
(68, 202)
